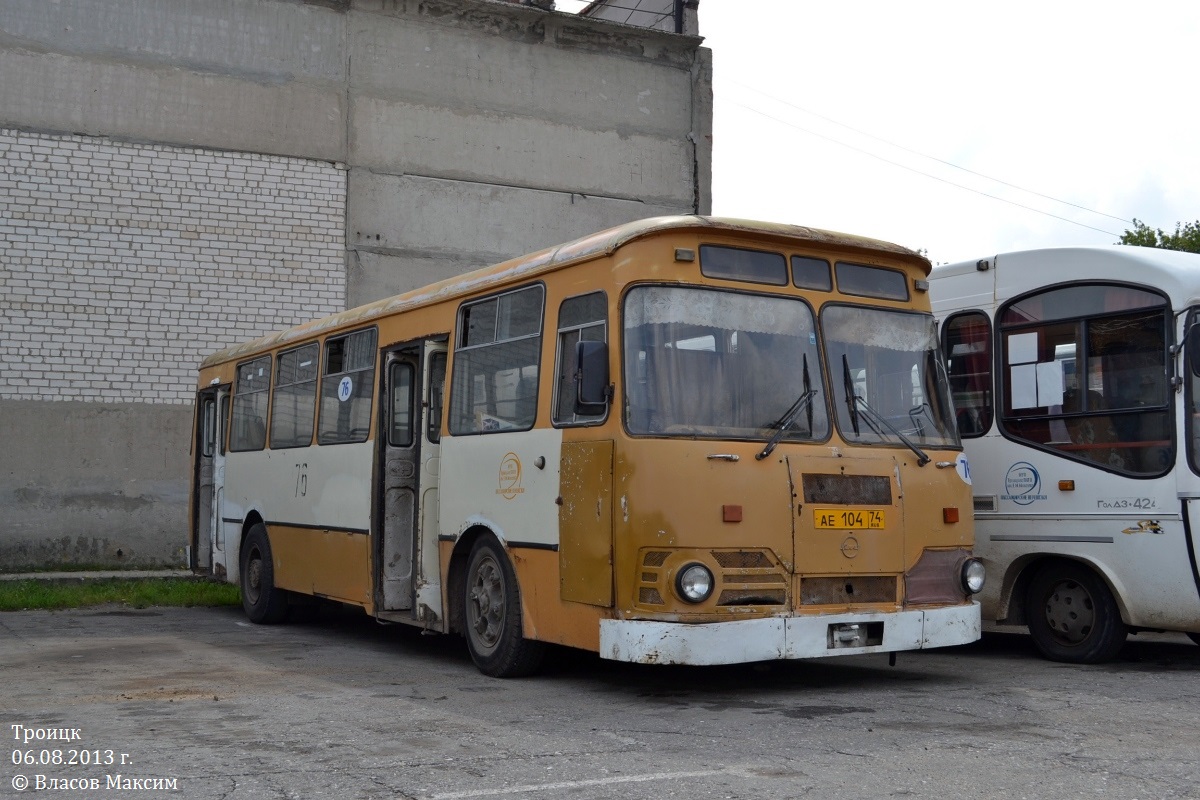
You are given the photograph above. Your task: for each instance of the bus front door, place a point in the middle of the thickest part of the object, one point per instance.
(407, 571)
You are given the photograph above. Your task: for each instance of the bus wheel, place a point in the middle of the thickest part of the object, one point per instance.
(263, 602)
(492, 613)
(1072, 615)
(1195, 637)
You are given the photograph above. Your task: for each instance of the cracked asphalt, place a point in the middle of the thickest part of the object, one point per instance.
(343, 707)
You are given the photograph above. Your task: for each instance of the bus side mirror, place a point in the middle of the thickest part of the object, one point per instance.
(591, 377)
(1193, 349)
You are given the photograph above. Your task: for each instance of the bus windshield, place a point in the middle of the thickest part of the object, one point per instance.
(889, 385)
(719, 364)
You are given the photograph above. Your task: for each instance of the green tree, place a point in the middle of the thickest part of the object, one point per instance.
(1186, 236)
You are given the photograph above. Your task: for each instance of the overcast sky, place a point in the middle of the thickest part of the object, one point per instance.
(849, 116)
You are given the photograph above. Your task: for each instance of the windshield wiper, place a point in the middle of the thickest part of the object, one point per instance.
(802, 402)
(875, 419)
(848, 386)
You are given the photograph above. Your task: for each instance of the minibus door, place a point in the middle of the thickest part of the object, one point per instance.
(1188, 482)
(1190, 497)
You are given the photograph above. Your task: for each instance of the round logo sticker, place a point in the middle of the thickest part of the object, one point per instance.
(510, 477)
(1023, 484)
(345, 389)
(963, 468)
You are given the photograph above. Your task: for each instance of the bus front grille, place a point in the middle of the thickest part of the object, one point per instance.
(742, 559)
(847, 490)
(752, 597)
(743, 578)
(848, 590)
(984, 502)
(649, 596)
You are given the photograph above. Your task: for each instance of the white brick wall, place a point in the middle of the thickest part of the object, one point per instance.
(123, 265)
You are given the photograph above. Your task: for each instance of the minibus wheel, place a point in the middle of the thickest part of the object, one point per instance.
(1195, 637)
(262, 601)
(1072, 615)
(492, 615)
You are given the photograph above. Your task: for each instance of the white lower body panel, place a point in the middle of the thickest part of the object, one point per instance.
(775, 638)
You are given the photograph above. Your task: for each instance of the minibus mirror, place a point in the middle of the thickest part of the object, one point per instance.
(1193, 349)
(591, 377)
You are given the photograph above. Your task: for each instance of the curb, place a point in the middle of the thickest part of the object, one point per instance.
(67, 577)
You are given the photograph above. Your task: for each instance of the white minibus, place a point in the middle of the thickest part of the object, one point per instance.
(1075, 375)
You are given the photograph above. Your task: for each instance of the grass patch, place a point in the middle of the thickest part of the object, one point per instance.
(134, 592)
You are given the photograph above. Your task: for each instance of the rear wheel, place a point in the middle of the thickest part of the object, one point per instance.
(492, 615)
(263, 602)
(1072, 615)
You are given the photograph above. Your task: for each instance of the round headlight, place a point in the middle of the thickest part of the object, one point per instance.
(973, 575)
(694, 583)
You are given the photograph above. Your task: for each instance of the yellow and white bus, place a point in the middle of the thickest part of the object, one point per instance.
(682, 440)
(1075, 373)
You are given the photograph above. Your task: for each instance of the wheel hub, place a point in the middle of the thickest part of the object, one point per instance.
(487, 604)
(254, 577)
(1070, 612)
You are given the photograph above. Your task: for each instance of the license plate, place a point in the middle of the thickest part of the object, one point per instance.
(848, 518)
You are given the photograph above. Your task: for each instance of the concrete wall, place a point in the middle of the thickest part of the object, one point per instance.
(537, 127)
(93, 483)
(180, 175)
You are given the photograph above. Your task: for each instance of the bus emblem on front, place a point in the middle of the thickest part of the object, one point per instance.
(850, 547)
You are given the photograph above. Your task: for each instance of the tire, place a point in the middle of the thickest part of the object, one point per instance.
(263, 602)
(1195, 637)
(492, 615)
(1072, 615)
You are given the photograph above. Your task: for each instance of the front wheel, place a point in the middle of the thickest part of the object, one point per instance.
(262, 601)
(1072, 615)
(492, 613)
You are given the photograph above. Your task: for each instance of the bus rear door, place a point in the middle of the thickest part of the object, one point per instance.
(207, 546)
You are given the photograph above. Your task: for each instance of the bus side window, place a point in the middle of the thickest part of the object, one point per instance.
(496, 358)
(1086, 375)
(294, 399)
(347, 388)
(579, 319)
(967, 343)
(250, 405)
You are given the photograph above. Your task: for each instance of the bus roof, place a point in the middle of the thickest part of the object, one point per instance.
(592, 246)
(1014, 273)
(1073, 263)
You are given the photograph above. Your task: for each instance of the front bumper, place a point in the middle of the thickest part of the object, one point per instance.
(776, 638)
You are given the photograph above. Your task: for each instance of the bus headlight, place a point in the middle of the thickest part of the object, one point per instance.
(694, 583)
(973, 575)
